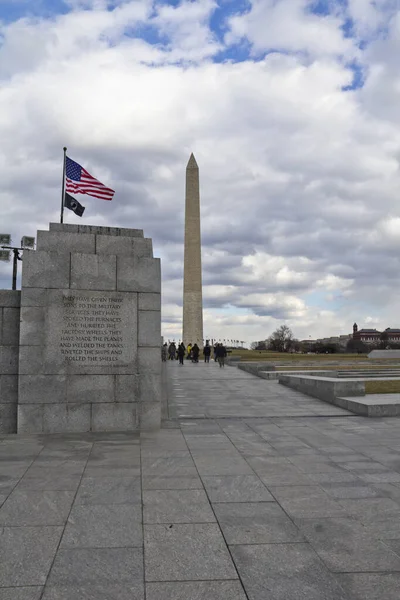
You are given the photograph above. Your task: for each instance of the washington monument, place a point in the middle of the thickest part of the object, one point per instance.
(192, 283)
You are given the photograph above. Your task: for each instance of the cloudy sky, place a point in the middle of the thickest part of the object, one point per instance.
(292, 109)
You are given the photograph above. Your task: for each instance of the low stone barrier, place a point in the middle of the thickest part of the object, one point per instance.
(255, 367)
(324, 388)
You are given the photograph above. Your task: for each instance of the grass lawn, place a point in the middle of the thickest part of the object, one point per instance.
(382, 387)
(265, 355)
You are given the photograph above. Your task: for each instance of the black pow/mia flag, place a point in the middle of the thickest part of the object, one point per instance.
(74, 205)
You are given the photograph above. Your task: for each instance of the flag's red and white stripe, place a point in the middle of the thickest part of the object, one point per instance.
(89, 185)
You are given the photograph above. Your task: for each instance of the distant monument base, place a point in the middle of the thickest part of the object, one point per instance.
(384, 354)
(81, 342)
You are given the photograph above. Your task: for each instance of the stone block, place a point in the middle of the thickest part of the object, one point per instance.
(114, 417)
(32, 326)
(149, 387)
(199, 590)
(104, 526)
(121, 245)
(45, 270)
(64, 227)
(42, 389)
(30, 418)
(150, 415)
(10, 298)
(83, 568)
(126, 388)
(30, 360)
(96, 229)
(34, 297)
(93, 272)
(149, 301)
(188, 551)
(55, 241)
(60, 418)
(26, 555)
(149, 328)
(138, 274)
(8, 389)
(8, 418)
(89, 332)
(149, 360)
(90, 388)
(8, 360)
(10, 329)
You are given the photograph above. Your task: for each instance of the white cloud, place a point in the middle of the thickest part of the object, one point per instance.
(299, 178)
(289, 25)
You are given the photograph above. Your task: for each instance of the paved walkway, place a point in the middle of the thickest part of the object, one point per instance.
(294, 500)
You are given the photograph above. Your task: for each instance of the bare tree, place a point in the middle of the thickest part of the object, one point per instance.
(281, 340)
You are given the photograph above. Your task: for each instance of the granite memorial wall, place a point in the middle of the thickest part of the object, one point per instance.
(90, 332)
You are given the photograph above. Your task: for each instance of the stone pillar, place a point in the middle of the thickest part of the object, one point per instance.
(90, 332)
(9, 341)
(192, 279)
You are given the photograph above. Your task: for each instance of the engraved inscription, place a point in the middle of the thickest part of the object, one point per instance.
(92, 329)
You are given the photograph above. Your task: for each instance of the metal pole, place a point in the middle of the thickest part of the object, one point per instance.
(15, 266)
(63, 187)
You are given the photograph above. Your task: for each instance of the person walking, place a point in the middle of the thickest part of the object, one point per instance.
(215, 351)
(195, 353)
(221, 355)
(207, 352)
(172, 351)
(164, 352)
(181, 353)
(189, 350)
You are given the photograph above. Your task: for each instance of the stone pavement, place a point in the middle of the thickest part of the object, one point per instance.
(250, 491)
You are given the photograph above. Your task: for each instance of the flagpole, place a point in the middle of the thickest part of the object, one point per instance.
(63, 187)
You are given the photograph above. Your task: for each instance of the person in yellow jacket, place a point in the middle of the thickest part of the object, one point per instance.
(189, 351)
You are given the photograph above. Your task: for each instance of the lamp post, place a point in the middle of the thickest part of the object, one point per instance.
(27, 243)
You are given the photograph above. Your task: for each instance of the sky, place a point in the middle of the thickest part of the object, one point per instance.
(292, 110)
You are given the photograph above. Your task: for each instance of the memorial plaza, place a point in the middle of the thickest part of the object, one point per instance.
(250, 490)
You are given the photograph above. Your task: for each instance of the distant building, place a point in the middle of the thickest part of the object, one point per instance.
(374, 337)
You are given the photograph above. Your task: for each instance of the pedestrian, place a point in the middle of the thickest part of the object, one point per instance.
(195, 353)
(172, 351)
(189, 350)
(221, 355)
(207, 352)
(215, 351)
(181, 353)
(164, 352)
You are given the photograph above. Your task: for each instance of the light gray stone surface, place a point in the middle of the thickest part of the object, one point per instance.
(190, 552)
(256, 523)
(96, 229)
(22, 593)
(264, 571)
(46, 270)
(199, 590)
(93, 272)
(32, 508)
(149, 301)
(109, 490)
(103, 526)
(75, 567)
(140, 274)
(66, 242)
(176, 506)
(237, 488)
(124, 245)
(79, 337)
(26, 555)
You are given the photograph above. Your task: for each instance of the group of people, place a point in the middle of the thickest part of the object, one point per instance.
(192, 352)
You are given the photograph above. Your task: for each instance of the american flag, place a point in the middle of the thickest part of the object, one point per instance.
(79, 181)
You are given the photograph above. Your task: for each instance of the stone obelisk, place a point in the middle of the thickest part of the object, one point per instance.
(192, 282)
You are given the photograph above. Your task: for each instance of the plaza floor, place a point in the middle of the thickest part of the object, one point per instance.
(249, 491)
